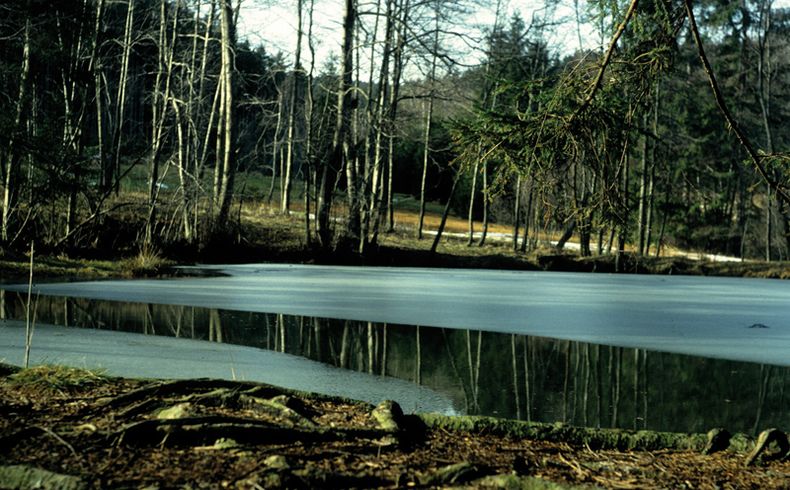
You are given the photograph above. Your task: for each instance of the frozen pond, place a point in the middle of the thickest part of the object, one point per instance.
(153, 356)
(423, 368)
(737, 319)
(629, 351)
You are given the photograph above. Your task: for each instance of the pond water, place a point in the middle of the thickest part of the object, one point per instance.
(688, 315)
(426, 368)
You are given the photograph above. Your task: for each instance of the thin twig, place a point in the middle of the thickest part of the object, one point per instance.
(58, 438)
(28, 329)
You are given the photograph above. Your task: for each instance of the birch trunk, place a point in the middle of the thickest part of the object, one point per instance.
(484, 233)
(227, 130)
(428, 121)
(383, 126)
(120, 102)
(309, 108)
(285, 205)
(471, 215)
(397, 71)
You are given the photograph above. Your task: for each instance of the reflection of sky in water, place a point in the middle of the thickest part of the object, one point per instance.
(693, 315)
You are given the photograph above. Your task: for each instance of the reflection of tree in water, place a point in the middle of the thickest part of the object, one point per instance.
(506, 375)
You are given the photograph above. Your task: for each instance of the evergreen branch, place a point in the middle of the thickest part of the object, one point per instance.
(733, 124)
(607, 58)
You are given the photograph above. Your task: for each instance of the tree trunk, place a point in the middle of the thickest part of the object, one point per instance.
(425, 158)
(566, 235)
(351, 155)
(285, 205)
(653, 165)
(471, 215)
(120, 102)
(382, 127)
(643, 193)
(625, 209)
(309, 108)
(527, 218)
(484, 234)
(428, 122)
(276, 142)
(334, 161)
(446, 212)
(228, 149)
(10, 162)
(159, 109)
(517, 213)
(397, 71)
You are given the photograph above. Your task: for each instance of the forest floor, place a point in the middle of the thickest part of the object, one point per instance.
(73, 429)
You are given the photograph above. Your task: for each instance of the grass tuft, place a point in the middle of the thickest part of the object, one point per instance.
(56, 379)
(147, 262)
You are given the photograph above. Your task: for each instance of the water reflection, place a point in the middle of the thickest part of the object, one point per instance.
(506, 375)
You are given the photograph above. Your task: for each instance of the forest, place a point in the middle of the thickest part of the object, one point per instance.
(137, 124)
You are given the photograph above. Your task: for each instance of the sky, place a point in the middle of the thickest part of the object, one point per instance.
(273, 24)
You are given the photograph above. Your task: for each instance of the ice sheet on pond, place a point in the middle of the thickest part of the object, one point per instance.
(149, 356)
(705, 316)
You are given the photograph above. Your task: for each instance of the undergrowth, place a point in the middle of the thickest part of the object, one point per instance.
(57, 379)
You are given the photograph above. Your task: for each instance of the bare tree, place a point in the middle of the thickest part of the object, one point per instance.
(428, 120)
(334, 162)
(10, 161)
(290, 141)
(226, 147)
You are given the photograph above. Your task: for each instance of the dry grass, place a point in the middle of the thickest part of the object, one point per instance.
(56, 379)
(147, 262)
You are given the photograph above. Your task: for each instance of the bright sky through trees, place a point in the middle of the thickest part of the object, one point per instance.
(273, 24)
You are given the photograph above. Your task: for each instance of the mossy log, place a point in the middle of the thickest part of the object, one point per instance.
(515, 482)
(615, 439)
(8, 369)
(453, 474)
(22, 477)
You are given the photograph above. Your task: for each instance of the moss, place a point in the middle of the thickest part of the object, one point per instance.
(21, 476)
(616, 439)
(514, 482)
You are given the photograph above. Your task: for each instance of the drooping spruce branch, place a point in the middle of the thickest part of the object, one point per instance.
(733, 124)
(607, 58)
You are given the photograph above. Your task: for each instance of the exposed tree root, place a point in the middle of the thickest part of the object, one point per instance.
(177, 387)
(718, 440)
(197, 431)
(772, 444)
